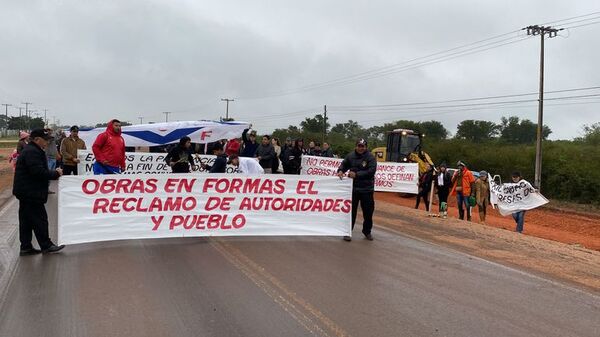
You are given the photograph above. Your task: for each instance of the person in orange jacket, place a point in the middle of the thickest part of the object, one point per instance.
(462, 186)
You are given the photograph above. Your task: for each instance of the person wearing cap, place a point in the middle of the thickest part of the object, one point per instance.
(220, 164)
(68, 150)
(250, 144)
(52, 153)
(109, 150)
(443, 181)
(462, 186)
(361, 166)
(519, 216)
(30, 187)
(482, 194)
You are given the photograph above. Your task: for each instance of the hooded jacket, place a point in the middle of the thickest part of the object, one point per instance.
(109, 147)
(266, 154)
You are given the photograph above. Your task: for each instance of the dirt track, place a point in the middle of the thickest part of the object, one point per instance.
(570, 227)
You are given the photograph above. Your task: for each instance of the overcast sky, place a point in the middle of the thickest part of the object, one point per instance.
(89, 61)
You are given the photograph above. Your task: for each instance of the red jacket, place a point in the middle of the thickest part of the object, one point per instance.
(109, 147)
(233, 147)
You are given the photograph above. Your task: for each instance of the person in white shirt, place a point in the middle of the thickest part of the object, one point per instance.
(245, 165)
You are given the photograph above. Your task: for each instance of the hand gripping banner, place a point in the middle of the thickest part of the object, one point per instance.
(118, 207)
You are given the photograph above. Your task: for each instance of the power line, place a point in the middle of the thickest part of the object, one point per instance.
(462, 99)
(388, 70)
(571, 18)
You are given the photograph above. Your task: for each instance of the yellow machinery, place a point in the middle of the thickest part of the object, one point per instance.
(404, 146)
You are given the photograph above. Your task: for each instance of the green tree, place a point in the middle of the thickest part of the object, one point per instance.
(477, 131)
(350, 130)
(518, 131)
(591, 134)
(314, 125)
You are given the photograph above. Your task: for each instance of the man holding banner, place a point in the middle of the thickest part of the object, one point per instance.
(361, 167)
(109, 150)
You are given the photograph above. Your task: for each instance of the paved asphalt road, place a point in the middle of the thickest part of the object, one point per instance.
(393, 286)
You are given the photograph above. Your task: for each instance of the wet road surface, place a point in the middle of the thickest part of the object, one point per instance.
(393, 286)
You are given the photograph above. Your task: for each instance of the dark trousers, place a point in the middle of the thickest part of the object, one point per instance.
(367, 204)
(425, 195)
(69, 170)
(443, 196)
(33, 217)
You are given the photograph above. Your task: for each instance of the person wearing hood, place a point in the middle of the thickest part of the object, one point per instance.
(265, 154)
(361, 167)
(462, 186)
(180, 157)
(482, 194)
(68, 150)
(23, 140)
(443, 181)
(109, 150)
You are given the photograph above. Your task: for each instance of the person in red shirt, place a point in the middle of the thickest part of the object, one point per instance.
(233, 147)
(109, 150)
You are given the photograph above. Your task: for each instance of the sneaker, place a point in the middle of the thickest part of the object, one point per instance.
(347, 238)
(52, 249)
(369, 237)
(30, 251)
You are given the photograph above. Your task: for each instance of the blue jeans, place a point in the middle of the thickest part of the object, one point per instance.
(519, 219)
(51, 164)
(105, 169)
(460, 201)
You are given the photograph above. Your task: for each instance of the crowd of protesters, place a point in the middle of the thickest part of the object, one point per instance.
(45, 155)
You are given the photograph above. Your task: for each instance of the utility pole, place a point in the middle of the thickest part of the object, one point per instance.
(324, 123)
(20, 117)
(167, 115)
(27, 112)
(6, 109)
(542, 31)
(141, 120)
(45, 117)
(227, 100)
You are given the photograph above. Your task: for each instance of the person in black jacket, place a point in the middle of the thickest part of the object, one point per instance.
(361, 166)
(425, 181)
(220, 164)
(294, 157)
(30, 186)
(443, 183)
(180, 157)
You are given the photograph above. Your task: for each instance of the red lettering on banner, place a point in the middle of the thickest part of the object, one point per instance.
(181, 184)
(217, 202)
(207, 221)
(100, 204)
(244, 185)
(156, 220)
(205, 134)
(300, 189)
(121, 186)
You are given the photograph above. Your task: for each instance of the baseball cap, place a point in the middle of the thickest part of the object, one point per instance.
(40, 133)
(361, 141)
(74, 128)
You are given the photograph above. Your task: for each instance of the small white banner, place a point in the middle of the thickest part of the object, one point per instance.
(154, 163)
(390, 177)
(515, 197)
(118, 207)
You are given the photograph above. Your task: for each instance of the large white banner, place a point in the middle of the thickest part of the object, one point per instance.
(116, 207)
(390, 177)
(154, 163)
(171, 132)
(515, 197)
